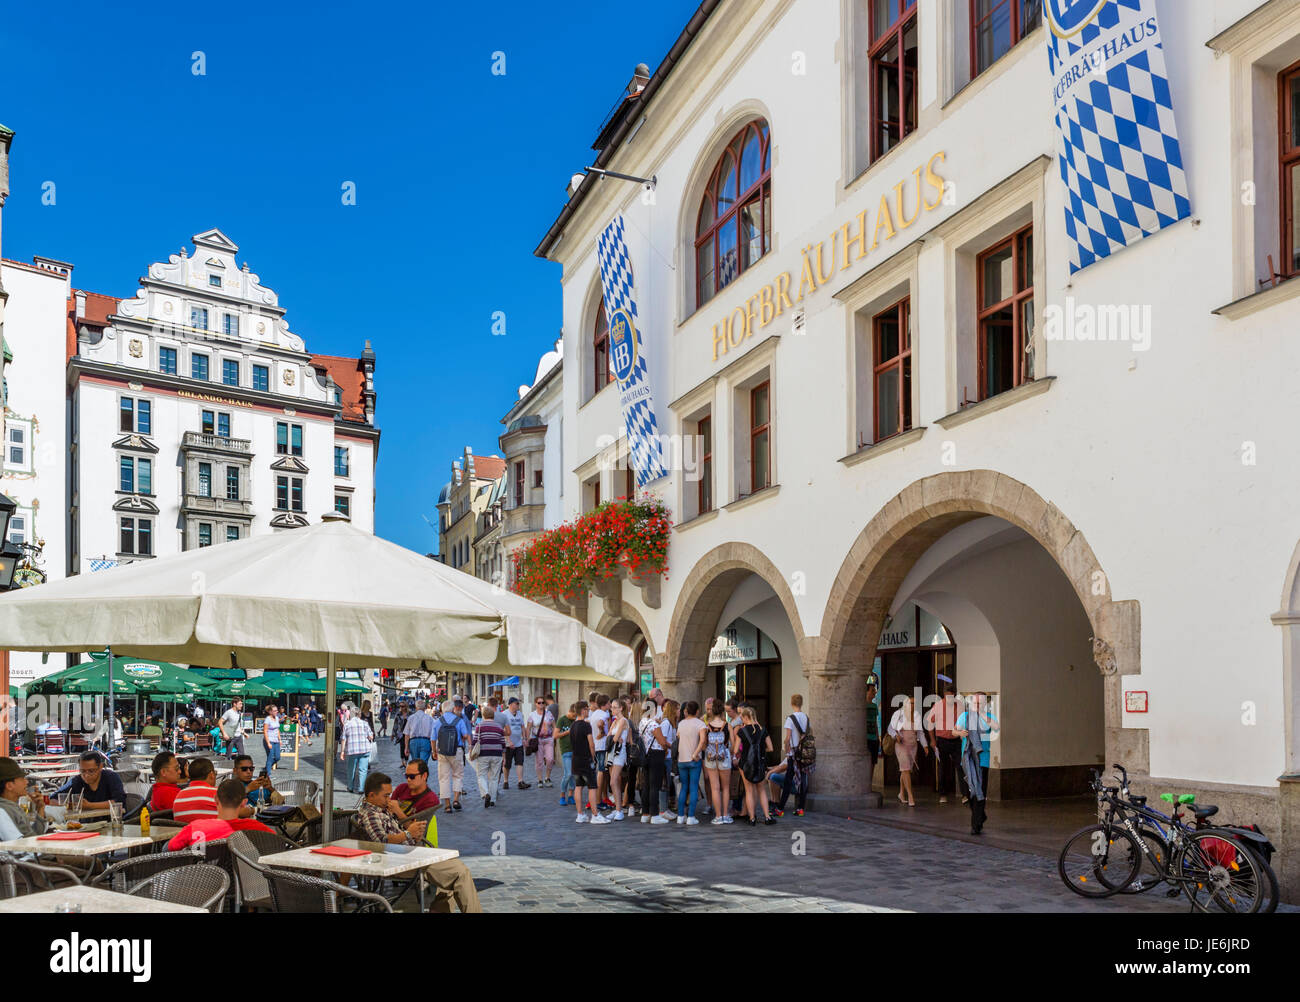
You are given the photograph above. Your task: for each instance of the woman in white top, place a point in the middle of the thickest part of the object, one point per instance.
(656, 734)
(907, 730)
(617, 758)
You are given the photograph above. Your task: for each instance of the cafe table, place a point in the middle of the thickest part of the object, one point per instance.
(382, 859)
(88, 900)
(86, 848)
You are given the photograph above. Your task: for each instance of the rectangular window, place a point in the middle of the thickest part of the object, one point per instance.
(261, 378)
(282, 493)
(295, 439)
(214, 281)
(295, 493)
(704, 430)
(232, 533)
(144, 537)
(340, 461)
(1005, 304)
(144, 476)
(18, 529)
(343, 505)
(600, 350)
(760, 430)
(128, 535)
(198, 318)
(996, 26)
(288, 439)
(894, 66)
(229, 372)
(126, 467)
(223, 425)
(537, 478)
(17, 446)
(127, 422)
(892, 370)
(144, 417)
(205, 480)
(1289, 150)
(199, 366)
(230, 324)
(205, 534)
(167, 361)
(232, 483)
(209, 423)
(519, 484)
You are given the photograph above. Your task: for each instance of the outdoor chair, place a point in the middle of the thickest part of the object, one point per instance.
(299, 792)
(310, 833)
(300, 893)
(128, 775)
(201, 885)
(131, 807)
(121, 875)
(246, 850)
(25, 876)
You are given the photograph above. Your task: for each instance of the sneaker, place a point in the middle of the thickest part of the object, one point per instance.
(525, 786)
(645, 819)
(680, 820)
(718, 821)
(798, 813)
(670, 815)
(581, 819)
(728, 820)
(692, 821)
(599, 820)
(659, 819)
(505, 786)
(779, 813)
(633, 811)
(617, 816)
(563, 801)
(487, 801)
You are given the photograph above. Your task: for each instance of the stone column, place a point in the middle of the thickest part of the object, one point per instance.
(836, 709)
(1287, 861)
(682, 676)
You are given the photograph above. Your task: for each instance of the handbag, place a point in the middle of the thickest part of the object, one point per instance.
(531, 747)
(474, 748)
(887, 743)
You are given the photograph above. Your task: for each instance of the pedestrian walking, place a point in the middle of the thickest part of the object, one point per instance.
(908, 731)
(752, 745)
(512, 722)
(976, 726)
(271, 737)
(657, 735)
(717, 763)
(691, 738)
(231, 727)
(383, 718)
(564, 744)
(539, 737)
(418, 733)
(489, 740)
(941, 722)
(798, 766)
(354, 750)
(616, 757)
(584, 767)
(450, 736)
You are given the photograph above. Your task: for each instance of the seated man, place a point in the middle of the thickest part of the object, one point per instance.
(258, 790)
(199, 799)
(97, 786)
(414, 796)
(230, 800)
(14, 822)
(450, 879)
(166, 781)
(152, 730)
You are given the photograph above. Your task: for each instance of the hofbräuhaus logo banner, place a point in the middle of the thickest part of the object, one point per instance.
(1119, 153)
(627, 358)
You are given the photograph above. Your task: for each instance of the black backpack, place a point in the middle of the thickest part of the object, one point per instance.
(635, 747)
(805, 756)
(448, 737)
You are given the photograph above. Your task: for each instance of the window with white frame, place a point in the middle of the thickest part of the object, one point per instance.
(135, 415)
(18, 445)
(136, 536)
(199, 318)
(230, 324)
(341, 460)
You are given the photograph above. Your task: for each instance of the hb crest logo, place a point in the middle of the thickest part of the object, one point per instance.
(622, 338)
(1069, 17)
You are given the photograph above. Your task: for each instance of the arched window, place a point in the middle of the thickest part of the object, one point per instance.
(734, 225)
(600, 354)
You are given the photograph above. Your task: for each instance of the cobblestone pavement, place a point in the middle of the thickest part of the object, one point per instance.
(527, 853)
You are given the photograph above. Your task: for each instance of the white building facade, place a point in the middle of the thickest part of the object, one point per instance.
(916, 446)
(198, 417)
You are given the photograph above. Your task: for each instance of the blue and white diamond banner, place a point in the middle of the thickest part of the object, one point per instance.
(627, 358)
(1119, 153)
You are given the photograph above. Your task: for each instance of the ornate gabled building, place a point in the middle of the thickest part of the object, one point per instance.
(461, 502)
(199, 417)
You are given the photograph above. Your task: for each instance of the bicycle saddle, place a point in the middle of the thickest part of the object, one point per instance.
(1207, 811)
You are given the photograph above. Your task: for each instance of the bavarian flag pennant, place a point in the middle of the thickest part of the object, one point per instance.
(627, 355)
(1118, 144)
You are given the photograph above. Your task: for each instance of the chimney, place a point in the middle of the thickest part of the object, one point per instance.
(81, 303)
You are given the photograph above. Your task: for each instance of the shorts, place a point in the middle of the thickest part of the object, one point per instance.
(513, 756)
(584, 775)
(722, 763)
(600, 761)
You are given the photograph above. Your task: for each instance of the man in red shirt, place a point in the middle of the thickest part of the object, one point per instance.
(166, 781)
(230, 798)
(413, 796)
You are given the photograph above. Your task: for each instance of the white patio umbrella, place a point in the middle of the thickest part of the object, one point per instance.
(327, 595)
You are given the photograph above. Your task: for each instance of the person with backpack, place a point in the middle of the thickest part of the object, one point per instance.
(616, 758)
(450, 735)
(691, 737)
(635, 761)
(800, 750)
(717, 763)
(656, 734)
(752, 744)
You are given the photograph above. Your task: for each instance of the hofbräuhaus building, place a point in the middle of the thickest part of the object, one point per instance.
(922, 423)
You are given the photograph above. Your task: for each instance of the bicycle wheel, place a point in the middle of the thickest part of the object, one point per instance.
(1220, 874)
(1269, 905)
(1099, 860)
(1151, 870)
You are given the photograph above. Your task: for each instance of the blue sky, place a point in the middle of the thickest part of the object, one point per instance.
(458, 175)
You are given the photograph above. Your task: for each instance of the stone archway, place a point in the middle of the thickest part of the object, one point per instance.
(875, 567)
(700, 603)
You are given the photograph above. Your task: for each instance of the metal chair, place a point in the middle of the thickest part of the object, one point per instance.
(33, 876)
(300, 893)
(201, 885)
(131, 807)
(128, 775)
(311, 831)
(246, 850)
(127, 872)
(299, 791)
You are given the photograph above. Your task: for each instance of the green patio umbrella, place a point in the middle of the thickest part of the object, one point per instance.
(306, 683)
(236, 687)
(131, 676)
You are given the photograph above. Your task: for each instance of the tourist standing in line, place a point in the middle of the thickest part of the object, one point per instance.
(599, 720)
(717, 763)
(584, 766)
(975, 726)
(564, 743)
(541, 725)
(734, 723)
(753, 743)
(616, 756)
(512, 722)
(706, 804)
(907, 730)
(691, 738)
(941, 722)
(656, 735)
(796, 777)
(873, 732)
(355, 749)
(490, 739)
(671, 711)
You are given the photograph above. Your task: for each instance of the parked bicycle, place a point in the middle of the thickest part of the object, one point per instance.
(1133, 847)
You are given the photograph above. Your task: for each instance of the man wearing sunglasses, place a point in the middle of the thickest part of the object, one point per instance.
(414, 796)
(257, 790)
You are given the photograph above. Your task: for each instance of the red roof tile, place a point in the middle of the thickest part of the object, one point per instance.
(98, 309)
(488, 467)
(351, 377)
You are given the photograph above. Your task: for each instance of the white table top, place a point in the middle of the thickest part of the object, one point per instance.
(80, 848)
(93, 900)
(383, 861)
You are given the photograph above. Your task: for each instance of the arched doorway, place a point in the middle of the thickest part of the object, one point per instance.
(1029, 609)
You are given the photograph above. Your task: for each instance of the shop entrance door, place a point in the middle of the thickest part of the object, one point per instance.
(905, 673)
(752, 683)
